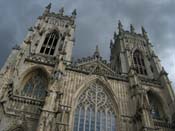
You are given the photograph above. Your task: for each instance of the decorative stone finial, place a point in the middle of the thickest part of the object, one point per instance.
(120, 26)
(115, 35)
(48, 6)
(74, 13)
(61, 11)
(47, 9)
(111, 44)
(31, 29)
(144, 33)
(132, 29)
(163, 72)
(96, 53)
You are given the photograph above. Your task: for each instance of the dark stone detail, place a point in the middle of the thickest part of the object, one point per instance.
(57, 75)
(149, 129)
(164, 124)
(61, 17)
(41, 59)
(149, 81)
(16, 47)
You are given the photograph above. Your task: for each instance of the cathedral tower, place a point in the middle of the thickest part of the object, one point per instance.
(30, 72)
(132, 55)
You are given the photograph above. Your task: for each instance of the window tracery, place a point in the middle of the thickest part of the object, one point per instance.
(35, 86)
(50, 43)
(139, 63)
(156, 107)
(94, 111)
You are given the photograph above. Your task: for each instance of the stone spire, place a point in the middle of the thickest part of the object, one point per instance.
(96, 53)
(61, 11)
(132, 29)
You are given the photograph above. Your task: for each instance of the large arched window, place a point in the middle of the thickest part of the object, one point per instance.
(94, 111)
(139, 63)
(35, 85)
(156, 106)
(50, 43)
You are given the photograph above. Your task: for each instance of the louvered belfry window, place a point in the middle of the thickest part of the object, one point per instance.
(139, 63)
(50, 43)
(94, 111)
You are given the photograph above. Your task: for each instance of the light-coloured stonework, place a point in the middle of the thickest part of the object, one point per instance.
(42, 89)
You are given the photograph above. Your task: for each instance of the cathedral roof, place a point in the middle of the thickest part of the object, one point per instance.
(94, 64)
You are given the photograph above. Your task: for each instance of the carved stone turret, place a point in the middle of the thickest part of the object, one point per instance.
(111, 43)
(120, 27)
(132, 29)
(115, 35)
(96, 53)
(61, 11)
(144, 33)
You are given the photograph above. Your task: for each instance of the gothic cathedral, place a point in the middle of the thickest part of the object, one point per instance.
(42, 89)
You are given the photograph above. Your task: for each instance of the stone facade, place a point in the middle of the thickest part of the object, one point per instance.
(43, 90)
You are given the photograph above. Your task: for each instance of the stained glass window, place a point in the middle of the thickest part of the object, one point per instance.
(94, 111)
(156, 107)
(35, 86)
(139, 63)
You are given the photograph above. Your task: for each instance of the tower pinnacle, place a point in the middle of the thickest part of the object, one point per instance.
(74, 13)
(48, 6)
(120, 26)
(96, 53)
(144, 33)
(132, 29)
(61, 11)
(47, 9)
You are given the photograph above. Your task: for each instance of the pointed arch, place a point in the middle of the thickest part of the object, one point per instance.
(34, 83)
(50, 42)
(159, 108)
(139, 62)
(93, 84)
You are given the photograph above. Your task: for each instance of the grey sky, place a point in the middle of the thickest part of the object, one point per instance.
(96, 22)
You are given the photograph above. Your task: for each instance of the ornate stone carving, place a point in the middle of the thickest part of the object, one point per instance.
(41, 59)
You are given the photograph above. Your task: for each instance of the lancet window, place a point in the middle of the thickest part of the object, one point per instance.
(50, 43)
(35, 85)
(139, 63)
(94, 111)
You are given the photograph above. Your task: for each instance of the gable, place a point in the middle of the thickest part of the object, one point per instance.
(96, 67)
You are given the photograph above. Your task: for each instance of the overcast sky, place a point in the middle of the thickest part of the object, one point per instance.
(96, 22)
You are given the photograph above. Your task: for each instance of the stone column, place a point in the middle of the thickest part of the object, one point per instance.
(47, 121)
(142, 113)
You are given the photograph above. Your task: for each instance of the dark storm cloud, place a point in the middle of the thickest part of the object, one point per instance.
(16, 16)
(96, 22)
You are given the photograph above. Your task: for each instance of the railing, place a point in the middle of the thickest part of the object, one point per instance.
(163, 124)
